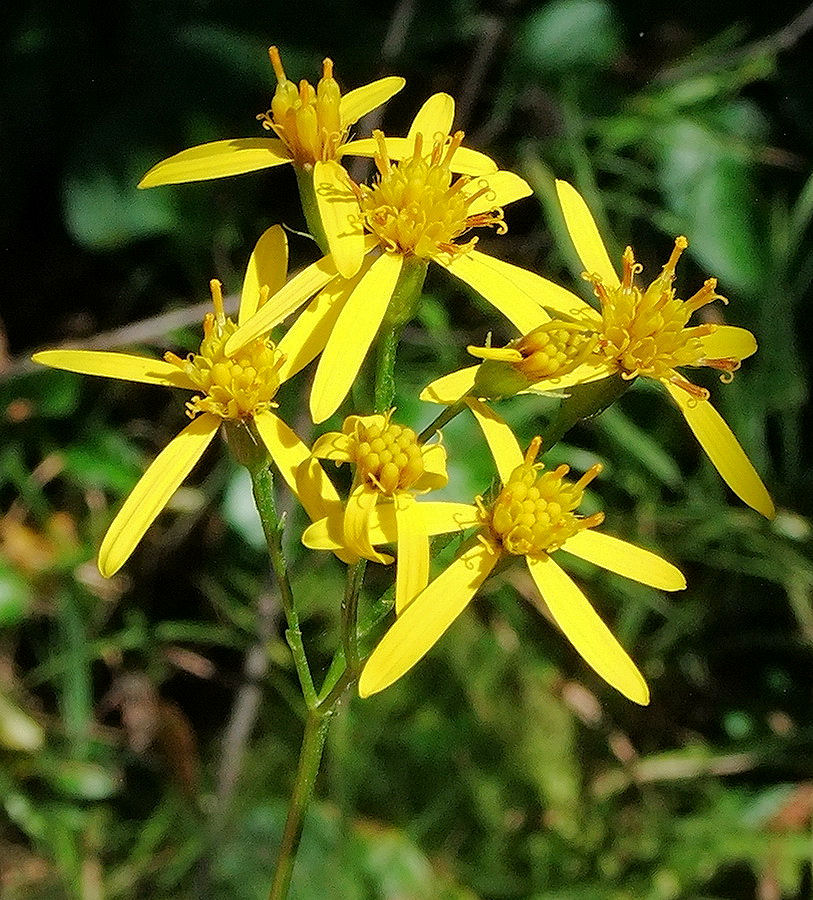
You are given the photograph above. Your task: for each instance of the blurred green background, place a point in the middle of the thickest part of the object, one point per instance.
(149, 725)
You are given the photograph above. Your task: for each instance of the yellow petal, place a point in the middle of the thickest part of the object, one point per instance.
(625, 559)
(116, 365)
(303, 474)
(425, 620)
(434, 475)
(433, 120)
(357, 513)
(501, 441)
(267, 267)
(358, 102)
(412, 569)
(503, 188)
(341, 216)
(464, 161)
(307, 336)
(584, 233)
(582, 626)
(439, 517)
(556, 300)
(723, 449)
(450, 388)
(153, 491)
(582, 374)
(494, 280)
(729, 342)
(355, 329)
(333, 445)
(217, 160)
(289, 298)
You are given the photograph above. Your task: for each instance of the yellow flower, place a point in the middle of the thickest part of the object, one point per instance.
(533, 516)
(311, 124)
(391, 467)
(413, 214)
(233, 389)
(638, 333)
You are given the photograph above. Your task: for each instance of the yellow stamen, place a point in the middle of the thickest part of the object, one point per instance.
(276, 62)
(534, 512)
(417, 207)
(217, 300)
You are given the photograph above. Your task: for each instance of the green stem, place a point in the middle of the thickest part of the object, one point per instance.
(350, 605)
(310, 757)
(583, 402)
(443, 419)
(387, 348)
(307, 196)
(262, 482)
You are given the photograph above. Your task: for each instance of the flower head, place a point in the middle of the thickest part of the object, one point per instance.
(411, 214)
(533, 516)
(236, 389)
(390, 469)
(640, 332)
(311, 126)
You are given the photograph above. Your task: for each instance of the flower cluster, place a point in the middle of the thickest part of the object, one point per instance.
(427, 203)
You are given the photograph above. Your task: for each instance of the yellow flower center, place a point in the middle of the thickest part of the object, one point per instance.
(388, 457)
(417, 207)
(306, 119)
(644, 331)
(234, 387)
(533, 513)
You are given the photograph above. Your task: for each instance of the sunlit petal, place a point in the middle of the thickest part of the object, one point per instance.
(582, 374)
(412, 570)
(358, 102)
(333, 445)
(116, 365)
(355, 329)
(585, 236)
(217, 160)
(723, 449)
(495, 280)
(582, 626)
(153, 491)
(502, 188)
(307, 336)
(728, 342)
(303, 474)
(289, 298)
(450, 388)
(357, 512)
(341, 216)
(434, 475)
(501, 441)
(425, 620)
(267, 267)
(434, 119)
(625, 559)
(464, 161)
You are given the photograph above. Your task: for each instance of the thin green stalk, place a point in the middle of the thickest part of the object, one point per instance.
(262, 482)
(443, 419)
(307, 196)
(583, 402)
(310, 757)
(386, 350)
(350, 604)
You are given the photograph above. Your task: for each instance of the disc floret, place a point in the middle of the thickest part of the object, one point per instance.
(645, 331)
(534, 512)
(387, 456)
(306, 119)
(416, 207)
(237, 386)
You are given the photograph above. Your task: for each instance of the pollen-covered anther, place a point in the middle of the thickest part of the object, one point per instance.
(306, 119)
(234, 387)
(534, 512)
(387, 456)
(727, 366)
(417, 207)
